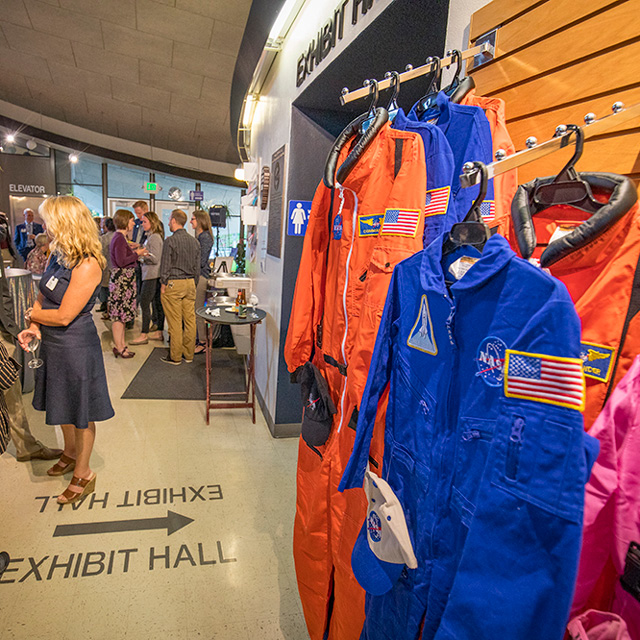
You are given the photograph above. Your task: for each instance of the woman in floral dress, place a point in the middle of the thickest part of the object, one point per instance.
(122, 283)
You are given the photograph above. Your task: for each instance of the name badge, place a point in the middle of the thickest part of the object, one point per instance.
(51, 283)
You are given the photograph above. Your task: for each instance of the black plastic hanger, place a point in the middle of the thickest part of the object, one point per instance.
(362, 141)
(392, 105)
(374, 94)
(568, 187)
(459, 88)
(466, 85)
(429, 99)
(472, 230)
(455, 83)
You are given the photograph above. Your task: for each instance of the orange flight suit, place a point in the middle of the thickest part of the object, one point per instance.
(505, 184)
(603, 279)
(355, 236)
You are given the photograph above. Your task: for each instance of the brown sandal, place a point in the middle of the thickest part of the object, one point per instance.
(64, 465)
(78, 488)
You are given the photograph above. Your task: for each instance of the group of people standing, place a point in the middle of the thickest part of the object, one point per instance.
(166, 277)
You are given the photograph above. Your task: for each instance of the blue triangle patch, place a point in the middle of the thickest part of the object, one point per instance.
(422, 336)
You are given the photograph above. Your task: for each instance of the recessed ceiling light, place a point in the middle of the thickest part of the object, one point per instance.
(73, 158)
(10, 137)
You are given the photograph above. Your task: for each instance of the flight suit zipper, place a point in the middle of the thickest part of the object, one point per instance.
(513, 448)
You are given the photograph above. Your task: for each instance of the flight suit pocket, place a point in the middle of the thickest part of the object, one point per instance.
(409, 483)
(383, 260)
(539, 458)
(413, 406)
(472, 452)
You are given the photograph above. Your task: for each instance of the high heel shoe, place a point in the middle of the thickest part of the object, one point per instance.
(125, 353)
(64, 465)
(78, 488)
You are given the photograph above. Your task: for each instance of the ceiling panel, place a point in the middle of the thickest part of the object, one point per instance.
(120, 11)
(41, 44)
(55, 21)
(152, 71)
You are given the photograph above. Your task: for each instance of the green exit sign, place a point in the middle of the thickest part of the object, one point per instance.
(151, 187)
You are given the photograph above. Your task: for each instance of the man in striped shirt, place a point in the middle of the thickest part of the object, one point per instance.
(179, 273)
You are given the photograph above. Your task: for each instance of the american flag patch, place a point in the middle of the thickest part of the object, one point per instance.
(400, 222)
(488, 211)
(437, 201)
(543, 378)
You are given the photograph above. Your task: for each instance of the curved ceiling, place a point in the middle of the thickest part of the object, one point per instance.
(158, 72)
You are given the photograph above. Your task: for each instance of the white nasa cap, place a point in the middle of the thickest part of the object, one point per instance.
(383, 546)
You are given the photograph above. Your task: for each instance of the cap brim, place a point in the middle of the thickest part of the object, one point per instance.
(315, 432)
(374, 575)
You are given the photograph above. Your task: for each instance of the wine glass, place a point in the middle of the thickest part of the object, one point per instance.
(32, 347)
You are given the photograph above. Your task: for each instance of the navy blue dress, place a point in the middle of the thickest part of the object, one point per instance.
(71, 385)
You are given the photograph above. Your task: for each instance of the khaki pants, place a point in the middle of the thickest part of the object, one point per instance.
(179, 304)
(24, 441)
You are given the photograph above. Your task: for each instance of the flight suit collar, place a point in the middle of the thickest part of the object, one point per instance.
(496, 255)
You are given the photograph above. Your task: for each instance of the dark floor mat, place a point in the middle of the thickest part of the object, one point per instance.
(157, 380)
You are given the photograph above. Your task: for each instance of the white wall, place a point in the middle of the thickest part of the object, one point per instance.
(270, 130)
(460, 12)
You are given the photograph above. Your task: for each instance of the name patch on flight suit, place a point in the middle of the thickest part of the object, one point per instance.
(437, 201)
(597, 360)
(421, 336)
(370, 225)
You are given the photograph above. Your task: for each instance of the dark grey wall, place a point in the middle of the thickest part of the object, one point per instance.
(310, 145)
(25, 170)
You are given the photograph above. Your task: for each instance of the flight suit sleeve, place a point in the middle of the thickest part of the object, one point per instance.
(308, 298)
(440, 176)
(523, 529)
(377, 381)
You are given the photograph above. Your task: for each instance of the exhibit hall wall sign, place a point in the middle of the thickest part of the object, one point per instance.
(329, 35)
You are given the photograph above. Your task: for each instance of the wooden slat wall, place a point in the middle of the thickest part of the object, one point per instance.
(557, 60)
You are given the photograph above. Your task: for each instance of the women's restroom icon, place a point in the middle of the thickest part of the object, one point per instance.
(299, 211)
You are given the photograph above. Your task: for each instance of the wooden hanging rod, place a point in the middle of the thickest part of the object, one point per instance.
(485, 48)
(593, 127)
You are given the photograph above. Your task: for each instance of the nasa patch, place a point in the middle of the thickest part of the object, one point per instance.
(490, 360)
(337, 227)
(374, 526)
(597, 360)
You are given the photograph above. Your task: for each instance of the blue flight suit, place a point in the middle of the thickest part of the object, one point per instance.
(441, 174)
(469, 135)
(492, 486)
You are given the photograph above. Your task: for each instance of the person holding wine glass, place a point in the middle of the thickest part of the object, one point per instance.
(71, 385)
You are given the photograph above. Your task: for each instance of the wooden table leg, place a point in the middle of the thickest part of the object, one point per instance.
(209, 340)
(252, 378)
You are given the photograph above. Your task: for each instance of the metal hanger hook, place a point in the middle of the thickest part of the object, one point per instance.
(373, 94)
(568, 171)
(395, 85)
(457, 58)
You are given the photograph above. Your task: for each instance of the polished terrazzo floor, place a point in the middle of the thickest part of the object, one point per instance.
(226, 574)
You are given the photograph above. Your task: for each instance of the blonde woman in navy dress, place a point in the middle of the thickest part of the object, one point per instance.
(71, 385)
